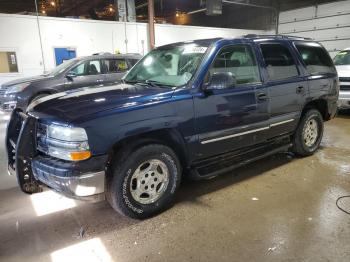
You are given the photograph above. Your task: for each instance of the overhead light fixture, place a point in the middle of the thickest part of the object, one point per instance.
(177, 14)
(53, 3)
(110, 9)
(43, 11)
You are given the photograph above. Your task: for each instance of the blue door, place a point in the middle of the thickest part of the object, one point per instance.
(234, 117)
(62, 54)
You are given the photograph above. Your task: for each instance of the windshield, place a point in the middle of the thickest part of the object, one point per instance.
(60, 68)
(342, 58)
(170, 66)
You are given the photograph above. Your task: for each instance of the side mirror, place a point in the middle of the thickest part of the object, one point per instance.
(221, 80)
(71, 75)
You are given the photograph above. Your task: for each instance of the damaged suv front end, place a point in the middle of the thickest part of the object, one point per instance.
(54, 154)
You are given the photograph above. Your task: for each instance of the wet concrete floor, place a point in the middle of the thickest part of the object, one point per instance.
(278, 209)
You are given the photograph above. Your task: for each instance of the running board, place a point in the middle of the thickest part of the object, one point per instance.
(200, 172)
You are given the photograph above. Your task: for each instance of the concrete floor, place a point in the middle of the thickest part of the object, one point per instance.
(278, 209)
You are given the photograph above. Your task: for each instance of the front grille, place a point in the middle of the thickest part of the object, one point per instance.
(3, 90)
(343, 87)
(13, 131)
(344, 79)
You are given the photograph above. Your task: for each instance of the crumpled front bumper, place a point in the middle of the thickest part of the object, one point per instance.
(75, 180)
(80, 179)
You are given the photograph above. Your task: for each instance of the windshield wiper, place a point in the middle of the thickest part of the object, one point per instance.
(157, 84)
(148, 83)
(135, 82)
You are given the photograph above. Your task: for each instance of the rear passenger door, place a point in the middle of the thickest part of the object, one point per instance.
(287, 87)
(114, 69)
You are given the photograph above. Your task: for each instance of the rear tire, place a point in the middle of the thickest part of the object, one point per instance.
(309, 133)
(143, 183)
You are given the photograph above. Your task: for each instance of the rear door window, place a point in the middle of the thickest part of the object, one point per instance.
(316, 58)
(279, 61)
(93, 67)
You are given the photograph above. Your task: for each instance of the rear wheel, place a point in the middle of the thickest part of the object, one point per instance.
(144, 182)
(308, 135)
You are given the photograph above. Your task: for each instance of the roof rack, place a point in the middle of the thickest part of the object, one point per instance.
(102, 53)
(277, 36)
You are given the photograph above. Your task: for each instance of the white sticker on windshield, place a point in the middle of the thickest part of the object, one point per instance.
(194, 49)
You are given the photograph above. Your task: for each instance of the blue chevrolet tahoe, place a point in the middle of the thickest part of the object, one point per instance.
(197, 109)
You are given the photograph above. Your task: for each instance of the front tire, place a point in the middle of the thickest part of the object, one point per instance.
(144, 182)
(309, 133)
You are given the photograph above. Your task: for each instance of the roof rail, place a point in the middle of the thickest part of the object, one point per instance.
(277, 36)
(102, 53)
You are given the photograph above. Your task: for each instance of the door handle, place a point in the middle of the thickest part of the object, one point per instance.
(300, 89)
(262, 97)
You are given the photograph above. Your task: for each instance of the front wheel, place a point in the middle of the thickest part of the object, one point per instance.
(144, 182)
(308, 135)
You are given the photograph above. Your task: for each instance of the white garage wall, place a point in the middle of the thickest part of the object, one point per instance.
(327, 23)
(20, 33)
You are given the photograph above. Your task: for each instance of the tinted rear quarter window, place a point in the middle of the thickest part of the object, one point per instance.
(133, 61)
(279, 61)
(115, 66)
(316, 58)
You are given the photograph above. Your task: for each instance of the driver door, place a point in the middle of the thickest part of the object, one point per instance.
(236, 116)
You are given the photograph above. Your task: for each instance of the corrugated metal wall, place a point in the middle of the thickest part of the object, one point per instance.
(327, 23)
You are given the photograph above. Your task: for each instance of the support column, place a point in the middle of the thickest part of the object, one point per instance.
(151, 35)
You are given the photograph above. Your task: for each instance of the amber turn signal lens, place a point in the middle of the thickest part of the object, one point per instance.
(82, 155)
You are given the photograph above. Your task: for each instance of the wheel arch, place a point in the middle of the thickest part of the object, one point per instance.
(41, 92)
(170, 137)
(319, 104)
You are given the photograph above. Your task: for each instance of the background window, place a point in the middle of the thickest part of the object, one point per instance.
(115, 66)
(240, 61)
(279, 61)
(316, 59)
(8, 62)
(133, 61)
(79, 70)
(92, 67)
(342, 58)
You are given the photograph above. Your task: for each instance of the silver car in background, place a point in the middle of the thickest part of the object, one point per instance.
(342, 63)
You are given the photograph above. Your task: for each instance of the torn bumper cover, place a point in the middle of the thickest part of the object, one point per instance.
(73, 179)
(81, 179)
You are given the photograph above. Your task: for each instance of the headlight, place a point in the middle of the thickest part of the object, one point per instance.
(16, 88)
(68, 143)
(72, 134)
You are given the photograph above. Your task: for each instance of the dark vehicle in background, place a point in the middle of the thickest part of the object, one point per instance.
(72, 74)
(193, 109)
